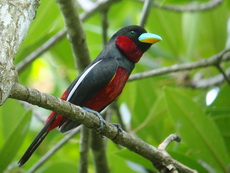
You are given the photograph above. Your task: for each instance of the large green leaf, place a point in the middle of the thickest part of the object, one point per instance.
(14, 141)
(9, 117)
(219, 111)
(197, 130)
(131, 156)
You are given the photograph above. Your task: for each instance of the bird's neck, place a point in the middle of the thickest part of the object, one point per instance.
(129, 48)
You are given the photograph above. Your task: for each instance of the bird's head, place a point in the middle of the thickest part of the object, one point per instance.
(133, 41)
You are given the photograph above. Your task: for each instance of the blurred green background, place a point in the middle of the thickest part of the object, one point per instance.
(157, 106)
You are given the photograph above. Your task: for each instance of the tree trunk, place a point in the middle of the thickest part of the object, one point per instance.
(15, 19)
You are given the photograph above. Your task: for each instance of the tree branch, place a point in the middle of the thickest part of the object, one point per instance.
(104, 22)
(198, 82)
(60, 35)
(212, 61)
(88, 119)
(189, 8)
(168, 140)
(145, 12)
(76, 34)
(84, 150)
(99, 153)
(223, 73)
(40, 50)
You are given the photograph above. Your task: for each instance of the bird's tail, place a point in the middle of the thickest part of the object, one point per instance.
(37, 141)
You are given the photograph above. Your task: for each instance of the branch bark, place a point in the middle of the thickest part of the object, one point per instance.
(99, 153)
(88, 119)
(15, 19)
(76, 34)
(212, 61)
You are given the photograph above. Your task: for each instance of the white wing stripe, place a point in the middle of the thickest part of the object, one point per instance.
(80, 80)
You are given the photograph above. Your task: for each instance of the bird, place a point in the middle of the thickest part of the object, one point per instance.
(101, 82)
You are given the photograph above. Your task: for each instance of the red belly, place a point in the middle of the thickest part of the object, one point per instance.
(110, 92)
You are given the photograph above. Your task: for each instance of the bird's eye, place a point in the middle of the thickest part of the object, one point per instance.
(132, 33)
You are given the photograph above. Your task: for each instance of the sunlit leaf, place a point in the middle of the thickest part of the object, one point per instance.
(197, 129)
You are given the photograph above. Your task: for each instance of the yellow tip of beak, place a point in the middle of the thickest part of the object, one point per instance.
(149, 38)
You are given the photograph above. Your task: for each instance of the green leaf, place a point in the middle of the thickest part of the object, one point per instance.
(14, 141)
(219, 111)
(10, 117)
(131, 156)
(59, 167)
(197, 130)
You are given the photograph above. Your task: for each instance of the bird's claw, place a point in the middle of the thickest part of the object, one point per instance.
(102, 121)
(119, 128)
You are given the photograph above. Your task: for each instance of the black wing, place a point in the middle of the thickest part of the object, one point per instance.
(88, 85)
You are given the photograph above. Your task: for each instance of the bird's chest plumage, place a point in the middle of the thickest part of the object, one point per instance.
(110, 92)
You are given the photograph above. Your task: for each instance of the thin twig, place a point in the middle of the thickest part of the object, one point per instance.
(53, 150)
(198, 82)
(168, 168)
(104, 22)
(39, 51)
(223, 73)
(145, 12)
(168, 140)
(190, 7)
(182, 67)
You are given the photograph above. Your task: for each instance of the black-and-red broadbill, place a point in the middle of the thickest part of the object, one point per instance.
(102, 81)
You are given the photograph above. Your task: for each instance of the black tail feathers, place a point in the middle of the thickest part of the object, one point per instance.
(36, 142)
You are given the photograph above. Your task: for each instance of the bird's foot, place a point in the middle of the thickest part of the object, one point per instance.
(102, 121)
(119, 129)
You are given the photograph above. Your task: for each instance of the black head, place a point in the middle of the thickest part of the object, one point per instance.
(133, 32)
(133, 41)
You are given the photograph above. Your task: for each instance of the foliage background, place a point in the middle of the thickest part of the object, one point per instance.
(158, 106)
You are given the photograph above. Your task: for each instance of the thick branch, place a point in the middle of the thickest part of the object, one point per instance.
(78, 114)
(76, 34)
(15, 19)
